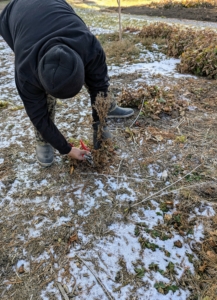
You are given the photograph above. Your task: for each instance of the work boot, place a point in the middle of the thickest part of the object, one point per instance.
(44, 154)
(44, 151)
(119, 112)
(105, 135)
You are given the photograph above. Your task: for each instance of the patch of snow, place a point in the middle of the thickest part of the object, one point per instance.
(165, 67)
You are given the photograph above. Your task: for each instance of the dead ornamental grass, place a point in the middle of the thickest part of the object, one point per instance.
(119, 51)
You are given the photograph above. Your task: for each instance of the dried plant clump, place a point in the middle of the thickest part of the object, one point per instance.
(179, 40)
(197, 48)
(118, 51)
(102, 106)
(156, 30)
(200, 57)
(183, 3)
(155, 100)
(105, 154)
(131, 29)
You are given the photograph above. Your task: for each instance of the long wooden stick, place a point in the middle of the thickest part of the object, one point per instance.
(157, 193)
(110, 297)
(119, 14)
(61, 289)
(123, 177)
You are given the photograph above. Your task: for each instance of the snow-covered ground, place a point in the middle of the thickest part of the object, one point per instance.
(90, 204)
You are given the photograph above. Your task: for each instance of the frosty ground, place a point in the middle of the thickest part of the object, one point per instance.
(100, 233)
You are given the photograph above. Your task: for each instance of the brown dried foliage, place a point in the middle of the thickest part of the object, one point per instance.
(105, 154)
(200, 56)
(183, 3)
(156, 100)
(156, 30)
(197, 48)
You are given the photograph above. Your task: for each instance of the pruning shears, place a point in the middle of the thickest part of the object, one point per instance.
(88, 157)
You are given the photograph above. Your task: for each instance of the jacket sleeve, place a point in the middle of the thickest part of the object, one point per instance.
(35, 102)
(4, 26)
(96, 71)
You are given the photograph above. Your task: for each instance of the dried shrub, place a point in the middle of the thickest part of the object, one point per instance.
(200, 57)
(156, 100)
(197, 48)
(120, 51)
(131, 29)
(156, 30)
(178, 40)
(183, 3)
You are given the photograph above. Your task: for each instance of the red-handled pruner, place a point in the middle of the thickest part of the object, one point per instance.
(83, 146)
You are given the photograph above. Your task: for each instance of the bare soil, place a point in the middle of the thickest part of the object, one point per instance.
(179, 12)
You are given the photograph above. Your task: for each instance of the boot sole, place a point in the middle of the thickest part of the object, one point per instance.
(45, 164)
(120, 117)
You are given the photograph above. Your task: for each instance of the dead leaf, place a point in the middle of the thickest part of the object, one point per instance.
(167, 217)
(213, 232)
(71, 170)
(39, 193)
(164, 175)
(170, 203)
(211, 254)
(202, 268)
(178, 244)
(73, 238)
(212, 243)
(181, 232)
(128, 130)
(159, 138)
(21, 270)
(154, 117)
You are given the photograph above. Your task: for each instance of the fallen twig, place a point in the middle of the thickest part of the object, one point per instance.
(61, 289)
(13, 282)
(179, 189)
(124, 177)
(118, 173)
(155, 194)
(110, 297)
(138, 113)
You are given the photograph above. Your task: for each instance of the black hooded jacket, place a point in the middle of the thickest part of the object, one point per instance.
(31, 28)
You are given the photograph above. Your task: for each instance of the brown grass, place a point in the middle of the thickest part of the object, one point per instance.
(119, 51)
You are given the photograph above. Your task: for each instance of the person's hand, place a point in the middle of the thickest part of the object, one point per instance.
(76, 153)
